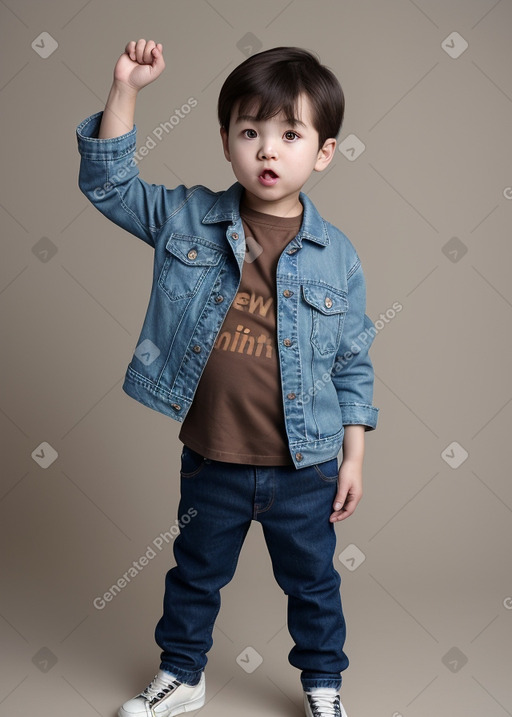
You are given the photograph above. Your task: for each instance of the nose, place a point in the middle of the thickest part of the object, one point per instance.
(266, 151)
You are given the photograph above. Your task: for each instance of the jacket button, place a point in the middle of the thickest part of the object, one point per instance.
(196, 349)
(234, 236)
(291, 396)
(287, 293)
(299, 456)
(328, 302)
(219, 299)
(192, 254)
(176, 406)
(292, 251)
(287, 342)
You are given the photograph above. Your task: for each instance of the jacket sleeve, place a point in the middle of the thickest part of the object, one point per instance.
(109, 178)
(352, 373)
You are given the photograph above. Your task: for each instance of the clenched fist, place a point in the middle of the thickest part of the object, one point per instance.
(141, 63)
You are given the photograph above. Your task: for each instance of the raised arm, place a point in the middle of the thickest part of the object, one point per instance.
(109, 174)
(141, 63)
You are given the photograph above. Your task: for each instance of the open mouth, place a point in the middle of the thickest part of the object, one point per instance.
(268, 177)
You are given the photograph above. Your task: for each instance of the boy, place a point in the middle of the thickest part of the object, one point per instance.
(256, 340)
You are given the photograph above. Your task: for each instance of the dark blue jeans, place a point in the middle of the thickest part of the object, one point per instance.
(218, 502)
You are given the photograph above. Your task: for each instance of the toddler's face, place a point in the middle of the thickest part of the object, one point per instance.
(273, 158)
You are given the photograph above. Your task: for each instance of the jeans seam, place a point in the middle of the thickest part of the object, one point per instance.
(232, 570)
(269, 505)
(322, 475)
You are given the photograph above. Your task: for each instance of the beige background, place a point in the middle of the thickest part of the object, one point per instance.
(428, 204)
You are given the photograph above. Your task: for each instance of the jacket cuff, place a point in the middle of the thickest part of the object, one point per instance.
(359, 414)
(90, 147)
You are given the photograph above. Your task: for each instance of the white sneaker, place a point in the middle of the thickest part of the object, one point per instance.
(323, 702)
(165, 696)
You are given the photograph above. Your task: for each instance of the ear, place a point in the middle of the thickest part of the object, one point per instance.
(325, 154)
(225, 146)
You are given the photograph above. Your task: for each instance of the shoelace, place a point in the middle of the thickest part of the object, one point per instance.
(325, 706)
(158, 689)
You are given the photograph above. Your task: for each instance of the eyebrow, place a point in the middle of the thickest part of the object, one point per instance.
(249, 118)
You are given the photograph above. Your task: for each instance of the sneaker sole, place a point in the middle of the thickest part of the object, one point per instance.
(178, 710)
(188, 707)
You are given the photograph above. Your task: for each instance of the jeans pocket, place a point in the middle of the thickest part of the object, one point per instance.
(192, 463)
(328, 470)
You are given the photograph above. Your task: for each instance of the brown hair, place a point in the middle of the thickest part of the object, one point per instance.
(274, 79)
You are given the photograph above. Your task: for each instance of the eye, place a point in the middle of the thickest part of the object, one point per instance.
(290, 135)
(250, 133)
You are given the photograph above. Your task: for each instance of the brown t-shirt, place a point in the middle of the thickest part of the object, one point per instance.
(237, 411)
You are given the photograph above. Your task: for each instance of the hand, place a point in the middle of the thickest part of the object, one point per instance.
(141, 63)
(350, 490)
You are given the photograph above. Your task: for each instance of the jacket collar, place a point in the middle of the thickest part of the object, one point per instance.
(227, 208)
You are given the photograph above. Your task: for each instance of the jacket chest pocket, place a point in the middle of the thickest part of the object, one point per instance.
(327, 308)
(186, 266)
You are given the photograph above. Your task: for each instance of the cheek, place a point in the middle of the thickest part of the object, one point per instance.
(239, 154)
(306, 162)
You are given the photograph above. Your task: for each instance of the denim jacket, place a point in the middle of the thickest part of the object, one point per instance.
(322, 332)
